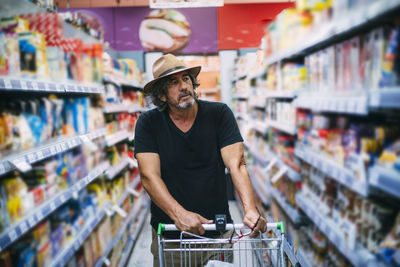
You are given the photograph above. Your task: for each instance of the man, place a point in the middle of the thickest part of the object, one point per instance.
(182, 150)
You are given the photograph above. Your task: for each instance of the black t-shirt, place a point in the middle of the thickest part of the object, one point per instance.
(191, 163)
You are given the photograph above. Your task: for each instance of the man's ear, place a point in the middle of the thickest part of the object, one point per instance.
(163, 98)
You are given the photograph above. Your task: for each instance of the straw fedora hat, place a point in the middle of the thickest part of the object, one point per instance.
(167, 65)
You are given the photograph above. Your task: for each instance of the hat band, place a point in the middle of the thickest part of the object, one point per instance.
(171, 70)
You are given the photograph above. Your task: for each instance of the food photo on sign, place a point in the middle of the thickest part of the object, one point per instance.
(164, 30)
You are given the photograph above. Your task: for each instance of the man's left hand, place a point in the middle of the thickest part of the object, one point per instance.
(256, 222)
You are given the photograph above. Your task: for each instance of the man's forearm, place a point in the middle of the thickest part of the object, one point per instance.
(241, 180)
(160, 195)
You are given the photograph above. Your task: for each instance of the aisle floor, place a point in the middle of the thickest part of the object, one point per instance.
(141, 255)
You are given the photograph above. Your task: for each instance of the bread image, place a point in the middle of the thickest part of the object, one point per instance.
(164, 30)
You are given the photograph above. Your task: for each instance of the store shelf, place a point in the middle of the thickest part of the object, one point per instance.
(14, 232)
(259, 126)
(240, 96)
(260, 189)
(10, 84)
(385, 98)
(115, 108)
(121, 231)
(349, 102)
(302, 258)
(132, 239)
(73, 246)
(117, 137)
(257, 102)
(257, 155)
(385, 179)
(282, 93)
(358, 257)
(337, 30)
(23, 160)
(72, 32)
(291, 211)
(293, 175)
(282, 126)
(114, 170)
(134, 109)
(121, 82)
(18, 7)
(335, 171)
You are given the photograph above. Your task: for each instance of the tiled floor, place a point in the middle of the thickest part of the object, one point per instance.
(141, 255)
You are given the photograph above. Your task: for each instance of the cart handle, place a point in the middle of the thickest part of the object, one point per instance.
(211, 227)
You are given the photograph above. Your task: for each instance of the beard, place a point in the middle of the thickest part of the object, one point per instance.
(186, 104)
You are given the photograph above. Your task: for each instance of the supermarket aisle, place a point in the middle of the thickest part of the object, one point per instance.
(141, 255)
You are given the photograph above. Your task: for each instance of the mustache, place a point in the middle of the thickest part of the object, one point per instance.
(184, 93)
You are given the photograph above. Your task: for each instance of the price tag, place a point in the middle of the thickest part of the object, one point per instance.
(77, 245)
(41, 86)
(107, 262)
(278, 175)
(63, 146)
(12, 235)
(7, 84)
(132, 163)
(32, 221)
(2, 83)
(16, 84)
(31, 157)
(46, 87)
(35, 86)
(52, 206)
(39, 215)
(39, 155)
(133, 192)
(79, 88)
(2, 168)
(84, 138)
(71, 88)
(62, 198)
(23, 227)
(53, 150)
(22, 165)
(120, 211)
(61, 88)
(86, 89)
(23, 85)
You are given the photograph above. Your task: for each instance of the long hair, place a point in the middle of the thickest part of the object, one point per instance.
(160, 89)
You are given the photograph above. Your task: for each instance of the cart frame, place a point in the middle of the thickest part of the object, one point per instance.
(191, 247)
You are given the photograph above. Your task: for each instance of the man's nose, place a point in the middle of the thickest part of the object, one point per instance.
(182, 85)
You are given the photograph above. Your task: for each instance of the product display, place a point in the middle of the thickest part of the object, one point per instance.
(70, 193)
(331, 175)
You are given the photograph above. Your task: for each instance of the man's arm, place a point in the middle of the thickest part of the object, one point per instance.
(233, 157)
(150, 174)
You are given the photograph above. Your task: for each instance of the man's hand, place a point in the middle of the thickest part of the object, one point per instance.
(191, 222)
(256, 222)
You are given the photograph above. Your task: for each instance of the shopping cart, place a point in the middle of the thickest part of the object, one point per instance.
(234, 248)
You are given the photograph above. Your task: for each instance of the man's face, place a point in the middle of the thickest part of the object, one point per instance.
(180, 91)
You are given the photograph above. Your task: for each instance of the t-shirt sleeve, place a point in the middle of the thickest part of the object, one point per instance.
(228, 130)
(145, 140)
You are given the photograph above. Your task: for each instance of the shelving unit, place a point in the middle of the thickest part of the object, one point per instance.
(117, 137)
(300, 256)
(73, 246)
(132, 239)
(282, 126)
(23, 160)
(9, 84)
(133, 214)
(291, 211)
(335, 31)
(358, 257)
(116, 169)
(17, 230)
(385, 180)
(334, 170)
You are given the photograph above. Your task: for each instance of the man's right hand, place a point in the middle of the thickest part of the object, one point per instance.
(191, 222)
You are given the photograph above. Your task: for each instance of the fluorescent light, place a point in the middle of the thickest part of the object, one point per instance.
(185, 3)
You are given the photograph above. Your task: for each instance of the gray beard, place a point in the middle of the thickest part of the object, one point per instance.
(186, 105)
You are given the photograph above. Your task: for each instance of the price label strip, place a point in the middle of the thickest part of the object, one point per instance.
(120, 211)
(22, 165)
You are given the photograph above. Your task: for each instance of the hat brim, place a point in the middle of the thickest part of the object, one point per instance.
(193, 70)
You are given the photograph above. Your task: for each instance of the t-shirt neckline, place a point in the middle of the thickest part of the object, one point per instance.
(171, 122)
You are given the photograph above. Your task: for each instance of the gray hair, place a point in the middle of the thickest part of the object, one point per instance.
(160, 89)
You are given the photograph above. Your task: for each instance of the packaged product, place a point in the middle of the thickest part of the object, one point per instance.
(5, 259)
(44, 255)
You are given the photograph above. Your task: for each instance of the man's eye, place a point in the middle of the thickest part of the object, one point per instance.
(186, 78)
